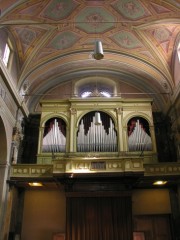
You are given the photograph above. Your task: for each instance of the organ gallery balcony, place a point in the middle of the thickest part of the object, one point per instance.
(139, 174)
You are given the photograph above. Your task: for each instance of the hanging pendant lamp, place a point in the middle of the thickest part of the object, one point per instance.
(98, 119)
(98, 51)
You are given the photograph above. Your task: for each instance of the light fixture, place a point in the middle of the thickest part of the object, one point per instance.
(35, 184)
(159, 182)
(98, 51)
(97, 119)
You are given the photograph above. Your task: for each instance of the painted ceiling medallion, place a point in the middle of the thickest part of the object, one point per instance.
(64, 40)
(162, 34)
(127, 40)
(130, 9)
(58, 10)
(95, 20)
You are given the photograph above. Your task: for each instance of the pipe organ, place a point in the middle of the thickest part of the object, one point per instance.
(97, 137)
(83, 127)
(54, 139)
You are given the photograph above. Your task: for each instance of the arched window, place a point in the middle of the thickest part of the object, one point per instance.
(54, 138)
(95, 87)
(139, 138)
(6, 54)
(101, 93)
(96, 133)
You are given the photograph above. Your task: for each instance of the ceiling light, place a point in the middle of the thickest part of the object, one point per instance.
(98, 51)
(35, 184)
(160, 182)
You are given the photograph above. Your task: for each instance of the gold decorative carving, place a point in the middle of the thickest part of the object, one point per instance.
(162, 169)
(119, 110)
(33, 170)
(73, 111)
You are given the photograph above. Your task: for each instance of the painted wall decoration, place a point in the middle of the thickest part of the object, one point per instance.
(139, 138)
(27, 36)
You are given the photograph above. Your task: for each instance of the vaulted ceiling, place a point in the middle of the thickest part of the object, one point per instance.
(55, 41)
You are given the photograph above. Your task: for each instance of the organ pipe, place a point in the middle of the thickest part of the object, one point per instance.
(54, 140)
(97, 138)
(139, 140)
(97, 119)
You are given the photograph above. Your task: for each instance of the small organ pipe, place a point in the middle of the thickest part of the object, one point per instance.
(139, 140)
(54, 140)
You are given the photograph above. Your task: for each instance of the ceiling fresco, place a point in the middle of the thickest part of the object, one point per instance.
(55, 41)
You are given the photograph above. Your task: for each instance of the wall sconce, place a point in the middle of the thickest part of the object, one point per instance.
(35, 184)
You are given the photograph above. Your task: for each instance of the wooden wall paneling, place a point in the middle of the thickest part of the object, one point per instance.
(155, 227)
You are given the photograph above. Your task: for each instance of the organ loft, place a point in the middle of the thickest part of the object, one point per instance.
(97, 134)
(96, 152)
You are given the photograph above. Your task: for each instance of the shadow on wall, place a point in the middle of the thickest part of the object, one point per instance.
(164, 138)
(3, 141)
(29, 144)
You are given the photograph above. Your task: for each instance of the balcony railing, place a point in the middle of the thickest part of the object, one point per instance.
(93, 165)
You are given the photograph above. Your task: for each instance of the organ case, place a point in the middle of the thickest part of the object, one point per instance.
(125, 127)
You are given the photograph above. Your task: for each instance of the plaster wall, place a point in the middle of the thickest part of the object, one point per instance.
(45, 211)
(151, 201)
(44, 214)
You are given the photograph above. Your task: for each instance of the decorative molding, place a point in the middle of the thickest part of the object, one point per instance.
(162, 169)
(73, 111)
(32, 170)
(119, 110)
(88, 166)
(77, 166)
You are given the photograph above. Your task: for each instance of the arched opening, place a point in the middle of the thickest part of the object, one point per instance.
(3, 141)
(95, 86)
(139, 138)
(96, 133)
(54, 139)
